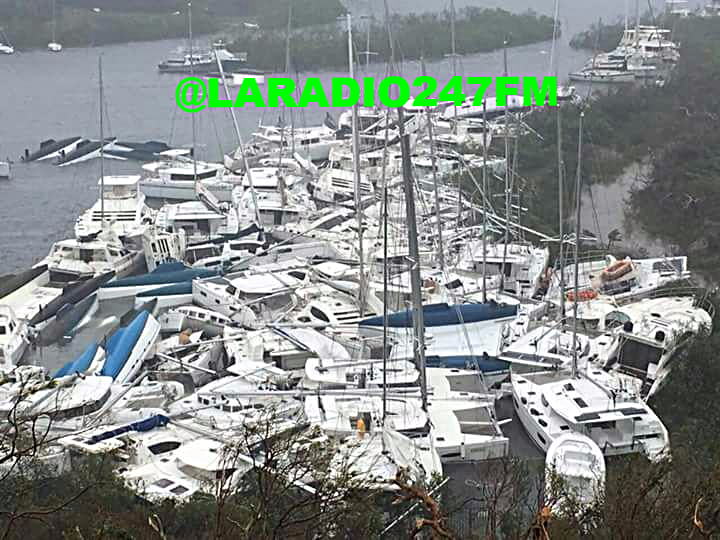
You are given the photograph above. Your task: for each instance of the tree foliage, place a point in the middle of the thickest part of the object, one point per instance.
(417, 35)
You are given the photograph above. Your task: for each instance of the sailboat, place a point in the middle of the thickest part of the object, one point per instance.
(5, 47)
(54, 46)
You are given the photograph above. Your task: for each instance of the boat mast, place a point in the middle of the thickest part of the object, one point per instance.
(356, 173)
(414, 256)
(561, 217)
(433, 159)
(485, 209)
(414, 251)
(385, 266)
(102, 152)
(192, 74)
(287, 70)
(236, 127)
(507, 174)
(53, 21)
(578, 188)
(453, 54)
(626, 16)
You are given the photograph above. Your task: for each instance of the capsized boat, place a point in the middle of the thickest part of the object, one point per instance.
(165, 274)
(84, 151)
(128, 348)
(70, 295)
(52, 148)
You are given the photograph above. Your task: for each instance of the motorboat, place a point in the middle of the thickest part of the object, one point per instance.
(121, 208)
(200, 62)
(574, 474)
(80, 259)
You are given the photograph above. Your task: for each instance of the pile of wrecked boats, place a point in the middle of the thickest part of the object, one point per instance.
(644, 53)
(292, 290)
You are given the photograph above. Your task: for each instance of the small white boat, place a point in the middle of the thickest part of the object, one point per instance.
(574, 472)
(4, 170)
(54, 47)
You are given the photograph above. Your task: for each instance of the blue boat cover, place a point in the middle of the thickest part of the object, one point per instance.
(162, 278)
(168, 290)
(80, 364)
(484, 363)
(446, 315)
(119, 349)
(148, 424)
(174, 266)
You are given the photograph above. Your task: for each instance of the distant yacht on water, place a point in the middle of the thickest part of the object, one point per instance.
(203, 62)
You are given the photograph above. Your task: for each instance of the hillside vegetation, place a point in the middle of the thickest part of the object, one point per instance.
(417, 35)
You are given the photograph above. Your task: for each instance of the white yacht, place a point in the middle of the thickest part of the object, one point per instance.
(121, 208)
(74, 260)
(175, 180)
(313, 143)
(198, 222)
(230, 294)
(712, 9)
(651, 43)
(13, 338)
(280, 198)
(648, 335)
(618, 280)
(594, 403)
(520, 266)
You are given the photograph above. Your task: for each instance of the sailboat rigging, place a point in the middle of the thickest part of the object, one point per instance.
(54, 46)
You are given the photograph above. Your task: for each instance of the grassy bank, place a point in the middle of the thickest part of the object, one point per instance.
(428, 35)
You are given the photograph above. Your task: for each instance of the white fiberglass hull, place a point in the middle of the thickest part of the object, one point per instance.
(183, 190)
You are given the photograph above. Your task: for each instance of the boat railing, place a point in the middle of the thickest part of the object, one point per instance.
(701, 296)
